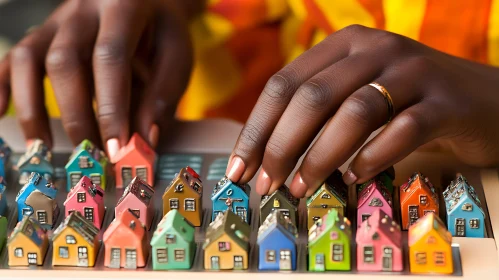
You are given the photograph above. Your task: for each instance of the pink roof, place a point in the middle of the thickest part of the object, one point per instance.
(136, 143)
(86, 185)
(127, 221)
(367, 192)
(379, 222)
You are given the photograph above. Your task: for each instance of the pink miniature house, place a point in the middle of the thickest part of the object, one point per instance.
(138, 197)
(374, 196)
(379, 244)
(88, 199)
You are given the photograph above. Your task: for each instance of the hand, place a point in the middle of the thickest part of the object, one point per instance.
(134, 57)
(436, 97)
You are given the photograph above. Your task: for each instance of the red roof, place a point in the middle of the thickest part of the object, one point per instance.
(126, 221)
(138, 144)
(85, 184)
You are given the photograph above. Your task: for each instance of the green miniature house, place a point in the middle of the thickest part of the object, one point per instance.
(3, 231)
(172, 243)
(329, 242)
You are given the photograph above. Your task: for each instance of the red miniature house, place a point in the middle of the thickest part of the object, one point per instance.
(125, 242)
(138, 197)
(136, 159)
(88, 199)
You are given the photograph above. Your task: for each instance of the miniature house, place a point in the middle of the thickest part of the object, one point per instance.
(5, 153)
(3, 196)
(184, 194)
(386, 177)
(229, 196)
(28, 243)
(125, 242)
(136, 159)
(282, 200)
(138, 197)
(227, 243)
(332, 194)
(374, 196)
(87, 160)
(430, 248)
(379, 244)
(329, 242)
(3, 231)
(173, 244)
(38, 158)
(465, 215)
(417, 198)
(37, 198)
(277, 242)
(75, 242)
(88, 199)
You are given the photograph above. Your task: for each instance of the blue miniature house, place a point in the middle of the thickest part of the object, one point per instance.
(465, 216)
(229, 196)
(5, 153)
(86, 160)
(277, 243)
(3, 199)
(37, 198)
(38, 158)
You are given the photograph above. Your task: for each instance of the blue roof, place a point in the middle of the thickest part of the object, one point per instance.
(38, 182)
(224, 184)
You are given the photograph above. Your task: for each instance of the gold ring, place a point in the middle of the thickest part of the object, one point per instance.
(388, 99)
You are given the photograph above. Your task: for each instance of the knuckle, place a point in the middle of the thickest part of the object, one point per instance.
(107, 113)
(250, 137)
(110, 51)
(391, 43)
(61, 58)
(414, 122)
(275, 150)
(355, 29)
(22, 53)
(358, 111)
(420, 64)
(279, 86)
(366, 159)
(314, 96)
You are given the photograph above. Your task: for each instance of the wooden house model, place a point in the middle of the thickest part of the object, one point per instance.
(3, 196)
(227, 243)
(374, 196)
(379, 244)
(138, 197)
(75, 242)
(229, 196)
(28, 243)
(184, 194)
(88, 199)
(329, 242)
(417, 198)
(465, 215)
(173, 244)
(136, 159)
(37, 198)
(38, 158)
(277, 242)
(125, 242)
(87, 160)
(5, 153)
(386, 177)
(282, 200)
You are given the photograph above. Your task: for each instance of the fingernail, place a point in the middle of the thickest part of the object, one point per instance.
(263, 183)
(154, 135)
(235, 169)
(349, 178)
(298, 187)
(113, 145)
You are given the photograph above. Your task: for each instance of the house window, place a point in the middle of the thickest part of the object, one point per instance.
(474, 223)
(190, 205)
(368, 254)
(423, 199)
(170, 239)
(27, 211)
(241, 212)
(141, 173)
(421, 258)
(238, 262)
(285, 213)
(333, 235)
(75, 178)
(460, 227)
(467, 207)
(319, 260)
(162, 255)
(82, 197)
(285, 255)
(136, 212)
(277, 204)
(315, 218)
(32, 258)
(89, 213)
(18, 252)
(115, 258)
(326, 196)
(365, 216)
(126, 175)
(131, 258)
(223, 246)
(337, 252)
(41, 216)
(179, 255)
(439, 258)
(82, 253)
(70, 239)
(64, 252)
(270, 255)
(96, 179)
(173, 203)
(83, 162)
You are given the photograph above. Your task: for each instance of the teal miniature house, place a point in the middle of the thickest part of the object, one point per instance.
(87, 160)
(173, 244)
(38, 159)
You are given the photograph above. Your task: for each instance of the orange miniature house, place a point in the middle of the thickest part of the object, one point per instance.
(417, 198)
(430, 249)
(136, 159)
(125, 242)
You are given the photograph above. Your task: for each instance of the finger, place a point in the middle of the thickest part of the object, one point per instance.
(249, 149)
(4, 85)
(70, 75)
(122, 24)
(26, 80)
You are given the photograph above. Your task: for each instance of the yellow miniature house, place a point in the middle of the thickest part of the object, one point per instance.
(28, 243)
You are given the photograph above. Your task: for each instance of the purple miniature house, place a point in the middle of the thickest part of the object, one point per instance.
(375, 196)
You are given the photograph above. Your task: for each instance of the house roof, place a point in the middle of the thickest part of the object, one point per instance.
(173, 221)
(126, 221)
(425, 224)
(224, 183)
(417, 182)
(5, 150)
(338, 190)
(78, 223)
(36, 182)
(284, 192)
(140, 145)
(31, 228)
(85, 184)
(379, 223)
(195, 182)
(277, 221)
(37, 147)
(231, 224)
(331, 220)
(86, 145)
(367, 192)
(457, 191)
(139, 189)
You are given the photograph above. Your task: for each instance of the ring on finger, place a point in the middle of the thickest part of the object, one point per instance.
(387, 97)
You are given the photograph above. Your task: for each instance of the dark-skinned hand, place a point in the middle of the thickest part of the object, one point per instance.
(129, 60)
(437, 98)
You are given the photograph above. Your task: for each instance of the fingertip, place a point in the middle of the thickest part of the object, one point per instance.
(263, 183)
(153, 136)
(113, 146)
(349, 177)
(235, 169)
(298, 187)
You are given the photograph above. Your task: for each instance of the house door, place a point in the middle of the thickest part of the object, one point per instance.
(387, 259)
(215, 263)
(413, 214)
(131, 258)
(141, 172)
(319, 262)
(285, 260)
(460, 227)
(82, 256)
(32, 258)
(115, 260)
(242, 212)
(74, 177)
(126, 175)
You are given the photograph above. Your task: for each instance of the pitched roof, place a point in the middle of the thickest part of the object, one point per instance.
(284, 192)
(136, 143)
(188, 172)
(93, 190)
(224, 183)
(277, 220)
(5, 150)
(417, 182)
(38, 183)
(139, 189)
(78, 223)
(230, 224)
(31, 228)
(37, 147)
(86, 145)
(338, 190)
(457, 191)
(331, 220)
(173, 221)
(426, 224)
(366, 193)
(379, 222)
(125, 221)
